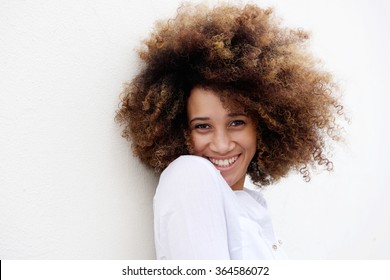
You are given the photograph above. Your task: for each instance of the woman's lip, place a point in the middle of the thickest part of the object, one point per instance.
(225, 168)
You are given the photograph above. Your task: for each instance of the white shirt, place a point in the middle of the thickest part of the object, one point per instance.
(198, 216)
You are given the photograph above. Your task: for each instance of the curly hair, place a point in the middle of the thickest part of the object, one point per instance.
(246, 56)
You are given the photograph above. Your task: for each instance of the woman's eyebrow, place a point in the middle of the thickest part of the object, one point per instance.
(200, 119)
(230, 115)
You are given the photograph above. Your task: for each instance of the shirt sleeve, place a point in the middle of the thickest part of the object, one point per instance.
(189, 211)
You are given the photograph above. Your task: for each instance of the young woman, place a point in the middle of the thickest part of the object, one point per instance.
(225, 93)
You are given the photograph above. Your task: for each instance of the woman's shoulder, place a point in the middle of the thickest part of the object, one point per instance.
(188, 165)
(190, 175)
(190, 160)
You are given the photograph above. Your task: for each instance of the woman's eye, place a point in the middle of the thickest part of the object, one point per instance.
(201, 126)
(237, 123)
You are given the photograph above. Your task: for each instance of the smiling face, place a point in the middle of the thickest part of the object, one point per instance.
(227, 139)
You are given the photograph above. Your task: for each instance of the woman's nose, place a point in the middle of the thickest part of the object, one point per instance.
(221, 143)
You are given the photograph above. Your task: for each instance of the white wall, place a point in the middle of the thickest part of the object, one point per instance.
(69, 188)
(345, 214)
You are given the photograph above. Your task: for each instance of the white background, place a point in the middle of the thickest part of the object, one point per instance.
(69, 187)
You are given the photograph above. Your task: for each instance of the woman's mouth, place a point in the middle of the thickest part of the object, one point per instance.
(223, 163)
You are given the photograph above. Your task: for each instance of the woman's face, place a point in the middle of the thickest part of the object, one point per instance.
(227, 139)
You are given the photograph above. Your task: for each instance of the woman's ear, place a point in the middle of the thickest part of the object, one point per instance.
(188, 141)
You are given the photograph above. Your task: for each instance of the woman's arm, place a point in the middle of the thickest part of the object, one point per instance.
(189, 211)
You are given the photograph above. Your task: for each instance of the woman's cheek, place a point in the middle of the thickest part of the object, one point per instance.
(198, 143)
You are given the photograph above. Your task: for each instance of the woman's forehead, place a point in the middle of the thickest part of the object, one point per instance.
(229, 99)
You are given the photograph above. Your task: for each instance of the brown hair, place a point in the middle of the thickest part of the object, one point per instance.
(245, 55)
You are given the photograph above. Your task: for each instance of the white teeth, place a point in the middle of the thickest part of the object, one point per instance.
(224, 162)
